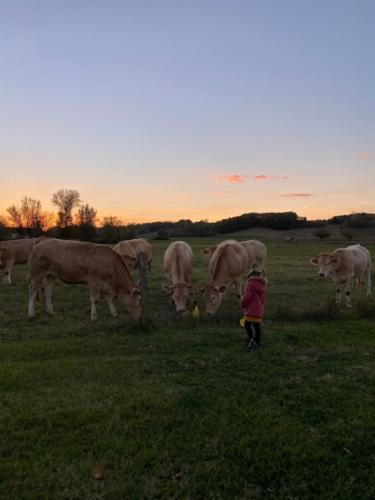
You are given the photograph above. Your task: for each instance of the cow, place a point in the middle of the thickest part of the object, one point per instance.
(75, 262)
(227, 265)
(15, 252)
(131, 250)
(345, 266)
(178, 266)
(256, 254)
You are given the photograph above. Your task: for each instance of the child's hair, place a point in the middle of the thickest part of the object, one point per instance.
(257, 274)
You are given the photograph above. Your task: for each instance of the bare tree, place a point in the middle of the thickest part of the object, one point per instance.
(15, 216)
(86, 218)
(86, 215)
(65, 200)
(27, 216)
(111, 229)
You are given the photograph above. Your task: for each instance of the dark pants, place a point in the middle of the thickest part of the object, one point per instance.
(252, 327)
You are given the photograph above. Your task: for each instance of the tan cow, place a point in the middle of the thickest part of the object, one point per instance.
(178, 266)
(227, 266)
(344, 267)
(75, 262)
(15, 252)
(131, 249)
(256, 254)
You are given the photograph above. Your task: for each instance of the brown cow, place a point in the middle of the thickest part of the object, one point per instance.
(178, 266)
(228, 264)
(15, 252)
(131, 249)
(344, 267)
(75, 262)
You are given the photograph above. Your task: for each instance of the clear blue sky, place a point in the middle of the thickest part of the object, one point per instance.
(170, 109)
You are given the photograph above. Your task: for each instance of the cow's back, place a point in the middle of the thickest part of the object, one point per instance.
(229, 259)
(361, 257)
(256, 252)
(140, 245)
(20, 249)
(125, 248)
(75, 261)
(178, 258)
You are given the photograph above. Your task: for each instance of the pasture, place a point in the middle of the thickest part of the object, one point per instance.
(180, 409)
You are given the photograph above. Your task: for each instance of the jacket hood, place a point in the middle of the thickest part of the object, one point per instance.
(258, 282)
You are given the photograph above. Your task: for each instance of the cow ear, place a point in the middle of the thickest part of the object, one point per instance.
(334, 259)
(314, 260)
(222, 288)
(135, 291)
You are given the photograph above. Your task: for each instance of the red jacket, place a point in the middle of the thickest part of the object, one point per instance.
(253, 299)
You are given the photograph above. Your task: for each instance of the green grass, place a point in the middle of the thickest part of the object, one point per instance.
(181, 409)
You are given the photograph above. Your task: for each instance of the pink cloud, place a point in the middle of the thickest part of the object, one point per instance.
(233, 179)
(363, 155)
(239, 178)
(295, 195)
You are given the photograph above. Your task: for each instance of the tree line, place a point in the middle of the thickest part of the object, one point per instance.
(75, 219)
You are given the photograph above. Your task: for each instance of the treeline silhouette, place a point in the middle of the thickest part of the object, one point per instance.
(78, 220)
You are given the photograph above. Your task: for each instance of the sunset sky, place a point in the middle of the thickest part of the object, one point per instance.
(196, 109)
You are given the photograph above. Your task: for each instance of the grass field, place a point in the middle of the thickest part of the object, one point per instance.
(181, 409)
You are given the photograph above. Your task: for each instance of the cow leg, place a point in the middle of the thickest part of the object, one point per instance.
(94, 297)
(368, 275)
(48, 288)
(237, 285)
(8, 273)
(111, 305)
(338, 294)
(33, 292)
(348, 295)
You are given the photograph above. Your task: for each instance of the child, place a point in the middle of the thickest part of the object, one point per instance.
(252, 303)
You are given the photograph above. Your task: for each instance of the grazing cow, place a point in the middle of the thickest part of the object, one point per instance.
(75, 262)
(228, 264)
(15, 252)
(344, 267)
(131, 249)
(256, 254)
(178, 266)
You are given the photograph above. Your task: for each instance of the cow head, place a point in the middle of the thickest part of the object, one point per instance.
(213, 297)
(327, 262)
(180, 294)
(132, 301)
(209, 251)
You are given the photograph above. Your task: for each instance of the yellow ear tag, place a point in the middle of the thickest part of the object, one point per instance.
(196, 312)
(242, 322)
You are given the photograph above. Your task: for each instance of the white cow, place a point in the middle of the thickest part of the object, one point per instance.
(131, 249)
(256, 254)
(178, 267)
(345, 266)
(227, 265)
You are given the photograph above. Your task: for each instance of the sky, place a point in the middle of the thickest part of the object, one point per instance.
(200, 109)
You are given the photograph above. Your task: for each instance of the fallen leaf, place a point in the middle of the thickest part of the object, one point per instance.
(96, 472)
(179, 476)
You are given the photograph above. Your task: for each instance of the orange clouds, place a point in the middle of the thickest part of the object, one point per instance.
(363, 155)
(295, 195)
(239, 179)
(233, 179)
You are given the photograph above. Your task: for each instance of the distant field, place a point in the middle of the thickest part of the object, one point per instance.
(181, 409)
